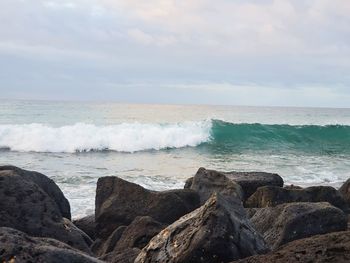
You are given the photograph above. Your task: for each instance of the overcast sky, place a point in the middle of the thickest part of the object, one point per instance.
(241, 52)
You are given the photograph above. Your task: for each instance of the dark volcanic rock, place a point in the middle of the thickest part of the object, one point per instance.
(119, 202)
(136, 235)
(18, 247)
(249, 181)
(332, 247)
(345, 191)
(292, 187)
(206, 182)
(87, 224)
(139, 233)
(126, 256)
(47, 185)
(216, 232)
(26, 207)
(287, 222)
(271, 196)
(101, 247)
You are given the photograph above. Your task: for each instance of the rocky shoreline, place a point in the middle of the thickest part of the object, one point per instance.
(217, 217)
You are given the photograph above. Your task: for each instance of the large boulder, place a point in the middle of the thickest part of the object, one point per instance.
(87, 224)
(216, 232)
(206, 182)
(271, 196)
(18, 247)
(119, 202)
(249, 181)
(287, 222)
(332, 247)
(28, 208)
(345, 191)
(46, 184)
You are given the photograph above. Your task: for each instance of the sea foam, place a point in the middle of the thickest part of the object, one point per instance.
(124, 137)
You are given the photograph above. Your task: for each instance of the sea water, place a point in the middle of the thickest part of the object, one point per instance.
(160, 146)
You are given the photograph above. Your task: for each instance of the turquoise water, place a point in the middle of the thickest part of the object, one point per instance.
(160, 146)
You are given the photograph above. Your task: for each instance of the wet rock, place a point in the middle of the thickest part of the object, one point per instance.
(287, 222)
(206, 182)
(119, 202)
(26, 207)
(87, 224)
(271, 196)
(249, 181)
(344, 190)
(332, 247)
(46, 184)
(18, 247)
(218, 231)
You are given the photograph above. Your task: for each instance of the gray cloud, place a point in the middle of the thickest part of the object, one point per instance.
(230, 52)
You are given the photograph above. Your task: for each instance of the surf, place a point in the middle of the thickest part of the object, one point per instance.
(210, 135)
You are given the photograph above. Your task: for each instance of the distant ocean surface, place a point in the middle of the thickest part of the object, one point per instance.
(160, 146)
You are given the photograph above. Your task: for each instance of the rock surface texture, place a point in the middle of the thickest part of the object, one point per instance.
(18, 247)
(206, 182)
(46, 184)
(287, 222)
(271, 196)
(332, 247)
(345, 191)
(28, 208)
(216, 232)
(249, 181)
(119, 202)
(87, 224)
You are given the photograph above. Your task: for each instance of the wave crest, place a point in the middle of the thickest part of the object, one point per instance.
(81, 137)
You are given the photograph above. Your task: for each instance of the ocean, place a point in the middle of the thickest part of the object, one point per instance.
(160, 146)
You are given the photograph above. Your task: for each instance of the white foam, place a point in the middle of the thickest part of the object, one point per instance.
(124, 137)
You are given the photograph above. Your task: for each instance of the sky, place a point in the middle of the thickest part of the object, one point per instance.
(232, 52)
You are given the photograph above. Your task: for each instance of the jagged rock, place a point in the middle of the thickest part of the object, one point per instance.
(126, 243)
(271, 196)
(87, 224)
(126, 256)
(26, 207)
(218, 231)
(139, 233)
(344, 190)
(332, 247)
(119, 202)
(206, 182)
(249, 181)
(287, 222)
(46, 184)
(101, 247)
(18, 247)
(136, 235)
(292, 187)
